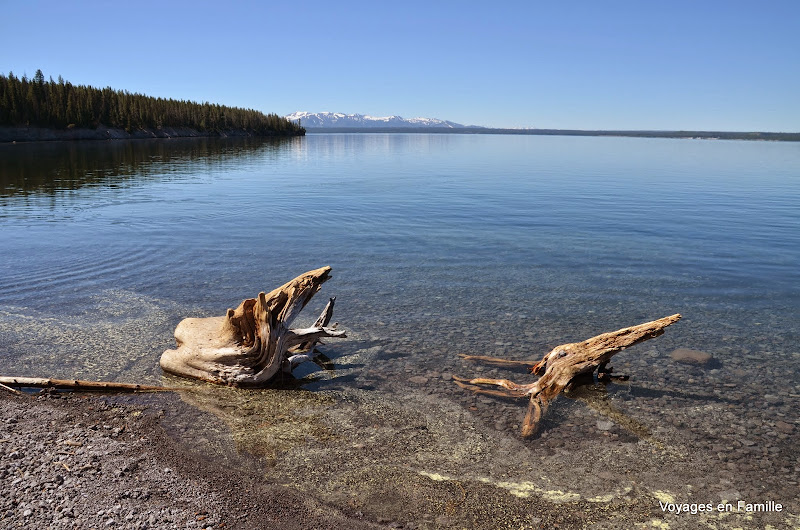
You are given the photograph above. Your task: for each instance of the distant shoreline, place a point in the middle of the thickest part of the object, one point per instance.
(45, 134)
(702, 135)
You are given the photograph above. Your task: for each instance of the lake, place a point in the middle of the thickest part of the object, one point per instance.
(440, 245)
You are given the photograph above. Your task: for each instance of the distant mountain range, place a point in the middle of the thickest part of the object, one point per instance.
(339, 120)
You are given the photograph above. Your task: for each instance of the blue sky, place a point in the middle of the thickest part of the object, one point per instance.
(601, 64)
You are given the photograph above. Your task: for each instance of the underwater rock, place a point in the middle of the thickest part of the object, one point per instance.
(688, 356)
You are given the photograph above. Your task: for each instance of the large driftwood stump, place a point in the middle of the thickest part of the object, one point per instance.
(560, 368)
(252, 343)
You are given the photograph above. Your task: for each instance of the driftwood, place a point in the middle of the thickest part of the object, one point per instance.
(9, 389)
(75, 384)
(252, 343)
(559, 369)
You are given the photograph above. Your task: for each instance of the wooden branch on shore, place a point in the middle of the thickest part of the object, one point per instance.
(12, 390)
(250, 345)
(559, 368)
(75, 384)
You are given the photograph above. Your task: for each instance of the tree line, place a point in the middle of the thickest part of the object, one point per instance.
(59, 104)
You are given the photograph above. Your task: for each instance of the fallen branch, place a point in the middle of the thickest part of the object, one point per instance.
(4, 387)
(562, 365)
(75, 384)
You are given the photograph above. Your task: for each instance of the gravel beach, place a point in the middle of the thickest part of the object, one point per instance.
(70, 461)
(228, 458)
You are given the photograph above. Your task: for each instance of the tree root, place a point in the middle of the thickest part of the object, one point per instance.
(559, 368)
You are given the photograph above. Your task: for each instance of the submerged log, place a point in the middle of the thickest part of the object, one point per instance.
(562, 365)
(251, 344)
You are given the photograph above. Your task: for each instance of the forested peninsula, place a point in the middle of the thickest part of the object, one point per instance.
(38, 109)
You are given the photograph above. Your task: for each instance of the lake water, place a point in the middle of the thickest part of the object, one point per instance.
(440, 245)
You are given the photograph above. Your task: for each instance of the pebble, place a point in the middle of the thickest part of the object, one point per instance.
(786, 428)
(604, 425)
(729, 495)
(773, 399)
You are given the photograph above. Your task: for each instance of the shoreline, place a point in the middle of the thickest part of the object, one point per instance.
(682, 135)
(70, 460)
(44, 134)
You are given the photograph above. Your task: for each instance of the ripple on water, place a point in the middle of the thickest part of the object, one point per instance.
(440, 246)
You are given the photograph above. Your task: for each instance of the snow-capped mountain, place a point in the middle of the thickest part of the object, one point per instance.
(337, 119)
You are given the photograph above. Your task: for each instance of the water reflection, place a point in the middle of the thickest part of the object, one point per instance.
(50, 167)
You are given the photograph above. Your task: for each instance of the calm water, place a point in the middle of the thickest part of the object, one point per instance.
(440, 244)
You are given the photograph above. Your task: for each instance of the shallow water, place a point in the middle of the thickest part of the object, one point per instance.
(440, 244)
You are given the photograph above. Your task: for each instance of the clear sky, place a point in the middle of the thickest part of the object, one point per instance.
(595, 64)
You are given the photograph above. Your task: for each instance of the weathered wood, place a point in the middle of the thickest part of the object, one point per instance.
(9, 389)
(562, 365)
(75, 384)
(250, 344)
(322, 322)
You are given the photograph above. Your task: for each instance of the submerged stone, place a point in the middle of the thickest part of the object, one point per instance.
(688, 356)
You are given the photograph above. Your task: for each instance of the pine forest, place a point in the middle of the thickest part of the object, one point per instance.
(59, 104)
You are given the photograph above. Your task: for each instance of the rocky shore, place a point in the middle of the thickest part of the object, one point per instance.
(231, 458)
(68, 461)
(40, 134)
